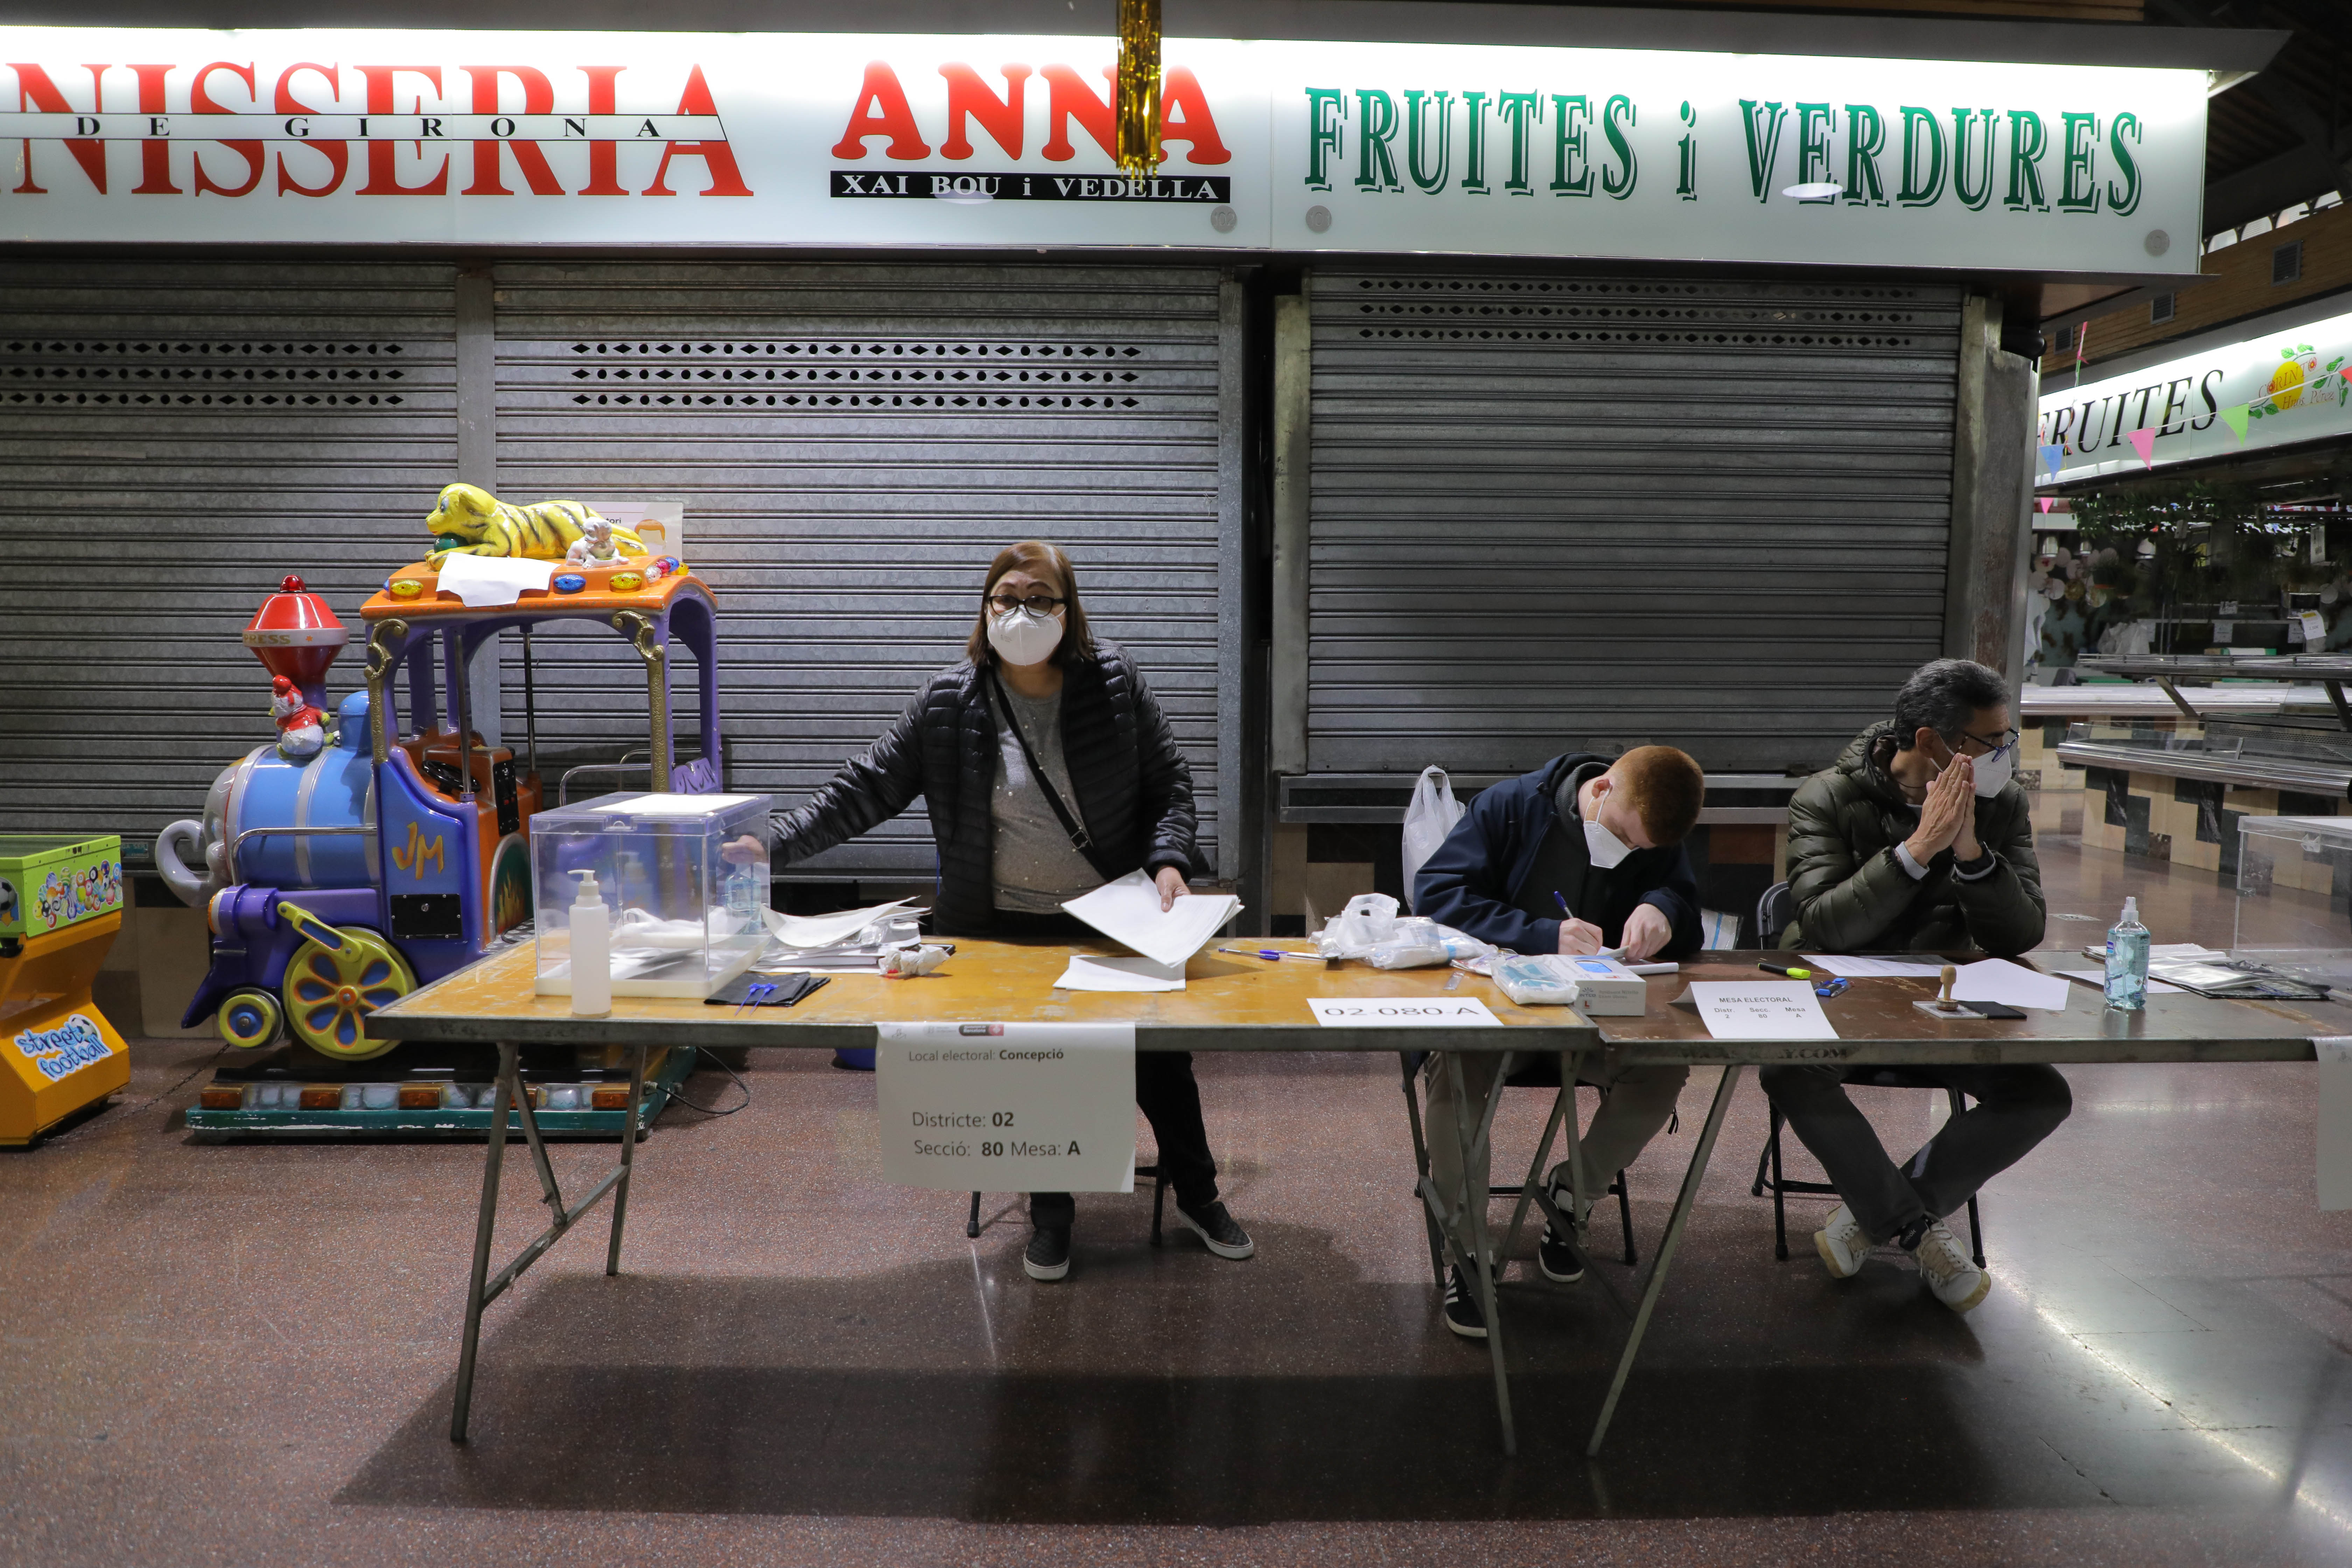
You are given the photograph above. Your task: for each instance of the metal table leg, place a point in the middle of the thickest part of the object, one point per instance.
(484, 1288)
(629, 1135)
(1420, 1165)
(1683, 1204)
(486, 1226)
(1473, 1212)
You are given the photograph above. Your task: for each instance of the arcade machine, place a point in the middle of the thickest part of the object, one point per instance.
(60, 907)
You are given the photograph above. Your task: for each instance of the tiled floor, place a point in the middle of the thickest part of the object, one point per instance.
(242, 1354)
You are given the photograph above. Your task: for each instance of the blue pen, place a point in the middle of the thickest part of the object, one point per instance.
(1561, 900)
(1271, 954)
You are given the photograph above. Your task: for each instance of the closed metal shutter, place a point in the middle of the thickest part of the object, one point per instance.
(175, 438)
(1562, 513)
(853, 445)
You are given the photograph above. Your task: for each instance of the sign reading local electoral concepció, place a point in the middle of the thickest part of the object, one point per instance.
(2279, 387)
(330, 136)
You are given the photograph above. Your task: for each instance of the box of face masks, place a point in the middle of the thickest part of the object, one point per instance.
(1606, 988)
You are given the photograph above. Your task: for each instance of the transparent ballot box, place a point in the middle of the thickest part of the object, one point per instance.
(685, 918)
(2294, 887)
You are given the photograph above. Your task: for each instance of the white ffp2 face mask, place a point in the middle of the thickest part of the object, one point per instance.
(1022, 638)
(1603, 847)
(1992, 772)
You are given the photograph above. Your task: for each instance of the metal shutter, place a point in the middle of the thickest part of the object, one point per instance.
(1554, 513)
(853, 443)
(174, 439)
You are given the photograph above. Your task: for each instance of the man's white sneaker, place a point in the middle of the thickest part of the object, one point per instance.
(1948, 1269)
(1842, 1244)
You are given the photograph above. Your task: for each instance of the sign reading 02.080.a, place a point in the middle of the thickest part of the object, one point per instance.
(322, 136)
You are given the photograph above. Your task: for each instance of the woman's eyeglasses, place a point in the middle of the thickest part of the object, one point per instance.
(1035, 603)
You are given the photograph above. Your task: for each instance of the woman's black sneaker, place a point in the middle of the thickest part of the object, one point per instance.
(1462, 1313)
(1214, 1227)
(1048, 1257)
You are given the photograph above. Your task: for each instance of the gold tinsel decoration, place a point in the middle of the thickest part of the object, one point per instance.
(1139, 87)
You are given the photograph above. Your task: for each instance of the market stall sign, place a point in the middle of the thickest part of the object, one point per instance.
(2282, 387)
(683, 139)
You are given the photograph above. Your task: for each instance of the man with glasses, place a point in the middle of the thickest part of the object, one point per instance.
(1918, 840)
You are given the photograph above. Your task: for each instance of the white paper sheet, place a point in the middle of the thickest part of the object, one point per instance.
(1123, 972)
(2097, 980)
(1128, 911)
(1854, 968)
(1402, 1013)
(823, 930)
(673, 804)
(1761, 1010)
(481, 582)
(1999, 980)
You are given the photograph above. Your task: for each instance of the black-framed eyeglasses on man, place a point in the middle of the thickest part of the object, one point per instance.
(1035, 603)
(1992, 743)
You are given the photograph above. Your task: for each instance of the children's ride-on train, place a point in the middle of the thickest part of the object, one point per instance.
(357, 859)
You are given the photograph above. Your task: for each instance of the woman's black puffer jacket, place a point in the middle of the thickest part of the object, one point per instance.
(1134, 788)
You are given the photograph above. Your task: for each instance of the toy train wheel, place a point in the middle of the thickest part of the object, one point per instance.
(329, 992)
(248, 1020)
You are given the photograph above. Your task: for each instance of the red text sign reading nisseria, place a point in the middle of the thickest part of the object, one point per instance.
(313, 129)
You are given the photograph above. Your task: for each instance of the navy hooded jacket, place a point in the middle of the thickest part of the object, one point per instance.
(1474, 882)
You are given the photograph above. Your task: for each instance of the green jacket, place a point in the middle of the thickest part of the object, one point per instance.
(1852, 895)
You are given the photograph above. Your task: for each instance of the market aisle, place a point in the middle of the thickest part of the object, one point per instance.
(242, 1353)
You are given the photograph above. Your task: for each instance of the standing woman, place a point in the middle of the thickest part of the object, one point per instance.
(1048, 769)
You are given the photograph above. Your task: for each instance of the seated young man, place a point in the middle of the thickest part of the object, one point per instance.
(1918, 841)
(1580, 854)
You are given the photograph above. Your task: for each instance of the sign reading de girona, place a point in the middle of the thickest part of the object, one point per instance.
(766, 140)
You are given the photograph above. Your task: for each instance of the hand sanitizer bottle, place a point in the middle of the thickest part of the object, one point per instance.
(592, 951)
(2127, 960)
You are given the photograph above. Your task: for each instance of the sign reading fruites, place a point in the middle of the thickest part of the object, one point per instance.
(2290, 385)
(337, 136)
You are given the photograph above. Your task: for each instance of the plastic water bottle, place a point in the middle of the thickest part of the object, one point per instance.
(592, 951)
(2127, 960)
(743, 898)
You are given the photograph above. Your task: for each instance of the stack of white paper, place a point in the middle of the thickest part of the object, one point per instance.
(1128, 911)
(823, 930)
(1999, 980)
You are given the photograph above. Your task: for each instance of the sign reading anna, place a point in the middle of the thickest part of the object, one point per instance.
(322, 136)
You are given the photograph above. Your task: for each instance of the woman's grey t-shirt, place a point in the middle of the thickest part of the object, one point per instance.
(1036, 866)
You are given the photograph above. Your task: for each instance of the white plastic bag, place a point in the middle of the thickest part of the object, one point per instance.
(1427, 820)
(1369, 929)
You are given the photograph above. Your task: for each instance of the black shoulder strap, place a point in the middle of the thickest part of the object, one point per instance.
(1070, 824)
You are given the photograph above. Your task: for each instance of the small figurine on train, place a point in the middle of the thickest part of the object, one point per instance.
(301, 729)
(595, 546)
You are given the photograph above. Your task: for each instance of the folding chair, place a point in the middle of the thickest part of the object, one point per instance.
(1774, 910)
(1541, 1071)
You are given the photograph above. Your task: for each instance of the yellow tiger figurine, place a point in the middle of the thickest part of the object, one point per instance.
(543, 531)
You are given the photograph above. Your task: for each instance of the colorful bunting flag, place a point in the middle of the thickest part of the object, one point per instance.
(2050, 458)
(2236, 419)
(2045, 502)
(2143, 441)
